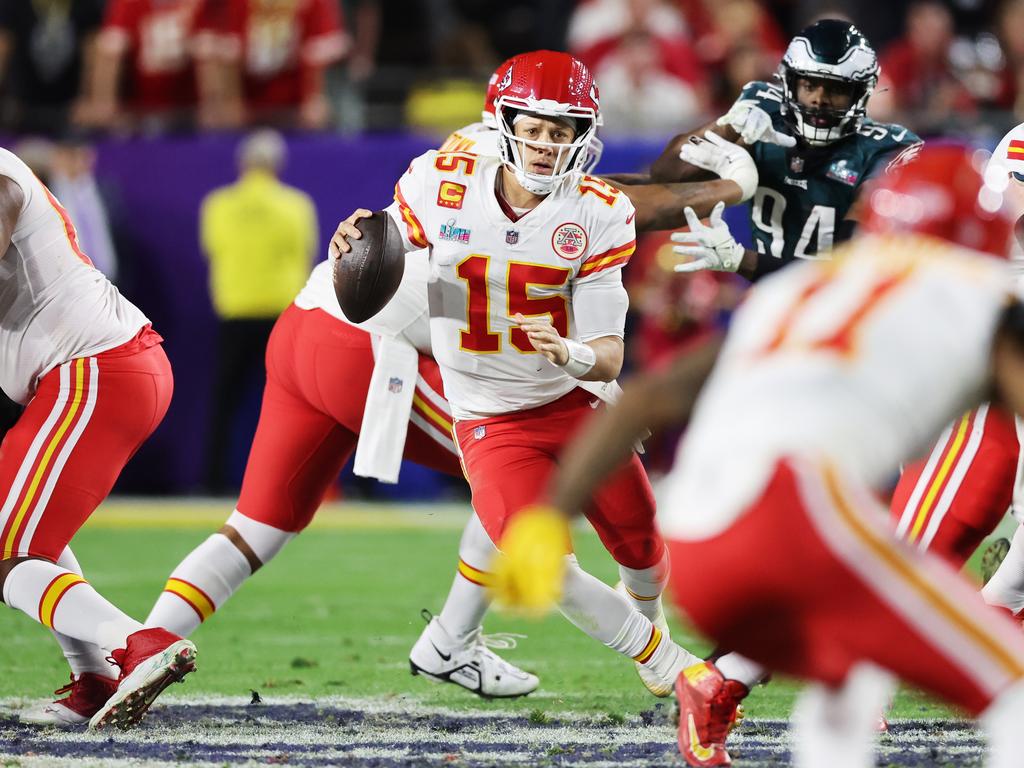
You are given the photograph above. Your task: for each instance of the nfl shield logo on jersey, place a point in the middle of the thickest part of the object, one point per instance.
(511, 236)
(479, 432)
(796, 164)
(395, 384)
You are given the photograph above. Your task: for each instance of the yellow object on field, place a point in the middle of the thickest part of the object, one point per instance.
(260, 237)
(527, 575)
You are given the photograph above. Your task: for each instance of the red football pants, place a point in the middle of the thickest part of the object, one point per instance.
(508, 461)
(318, 374)
(810, 581)
(62, 457)
(951, 500)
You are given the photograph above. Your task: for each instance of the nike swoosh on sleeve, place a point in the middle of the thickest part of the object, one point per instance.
(629, 219)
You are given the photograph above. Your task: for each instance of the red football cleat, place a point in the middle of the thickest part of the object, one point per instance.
(707, 712)
(87, 694)
(151, 660)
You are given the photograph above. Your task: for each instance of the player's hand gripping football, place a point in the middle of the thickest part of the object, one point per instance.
(753, 124)
(723, 158)
(707, 246)
(528, 573)
(347, 230)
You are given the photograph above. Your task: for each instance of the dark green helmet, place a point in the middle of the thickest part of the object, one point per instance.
(835, 51)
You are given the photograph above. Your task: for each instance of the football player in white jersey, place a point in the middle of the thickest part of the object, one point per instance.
(526, 302)
(95, 382)
(825, 383)
(364, 415)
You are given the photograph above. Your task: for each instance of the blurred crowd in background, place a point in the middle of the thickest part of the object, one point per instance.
(350, 65)
(73, 72)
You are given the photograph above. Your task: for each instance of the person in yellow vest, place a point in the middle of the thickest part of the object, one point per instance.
(260, 236)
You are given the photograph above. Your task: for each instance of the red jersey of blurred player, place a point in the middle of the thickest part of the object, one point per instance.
(95, 383)
(950, 500)
(825, 384)
(155, 36)
(279, 47)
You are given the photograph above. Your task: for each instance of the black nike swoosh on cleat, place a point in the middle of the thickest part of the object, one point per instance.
(444, 656)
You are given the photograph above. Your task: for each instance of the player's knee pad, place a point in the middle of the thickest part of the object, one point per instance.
(264, 540)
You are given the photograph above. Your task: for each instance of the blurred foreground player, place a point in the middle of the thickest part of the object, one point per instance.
(95, 383)
(824, 385)
(527, 304)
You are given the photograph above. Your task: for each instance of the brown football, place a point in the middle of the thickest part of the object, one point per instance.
(367, 276)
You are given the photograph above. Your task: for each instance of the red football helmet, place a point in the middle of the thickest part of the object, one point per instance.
(492, 90)
(547, 84)
(946, 192)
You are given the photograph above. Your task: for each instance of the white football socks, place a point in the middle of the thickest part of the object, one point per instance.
(64, 601)
(607, 616)
(1001, 722)
(1006, 587)
(837, 727)
(644, 586)
(467, 600)
(201, 584)
(81, 656)
(733, 666)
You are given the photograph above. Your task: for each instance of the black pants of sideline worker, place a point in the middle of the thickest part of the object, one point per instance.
(240, 361)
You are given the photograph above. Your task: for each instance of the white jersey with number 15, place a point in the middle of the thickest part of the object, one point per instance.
(488, 264)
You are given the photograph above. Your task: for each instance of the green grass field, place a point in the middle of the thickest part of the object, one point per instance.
(337, 612)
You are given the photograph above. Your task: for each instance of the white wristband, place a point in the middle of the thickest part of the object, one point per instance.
(582, 358)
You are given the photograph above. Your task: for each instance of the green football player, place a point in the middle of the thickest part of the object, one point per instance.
(813, 145)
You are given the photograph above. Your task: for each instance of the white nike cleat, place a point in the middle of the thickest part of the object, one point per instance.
(652, 681)
(470, 663)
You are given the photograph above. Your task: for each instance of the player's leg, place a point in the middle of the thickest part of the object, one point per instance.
(623, 514)
(1006, 587)
(836, 725)
(429, 443)
(300, 445)
(508, 462)
(87, 419)
(949, 502)
(817, 585)
(93, 678)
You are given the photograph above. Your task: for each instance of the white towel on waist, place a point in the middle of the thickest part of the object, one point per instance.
(388, 403)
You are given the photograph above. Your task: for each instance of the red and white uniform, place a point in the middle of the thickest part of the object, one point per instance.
(88, 367)
(827, 383)
(951, 500)
(515, 411)
(560, 260)
(156, 34)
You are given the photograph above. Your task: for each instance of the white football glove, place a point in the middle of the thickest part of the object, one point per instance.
(722, 157)
(753, 124)
(708, 247)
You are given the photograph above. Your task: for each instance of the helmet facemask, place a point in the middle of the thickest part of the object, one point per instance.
(835, 52)
(566, 159)
(823, 125)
